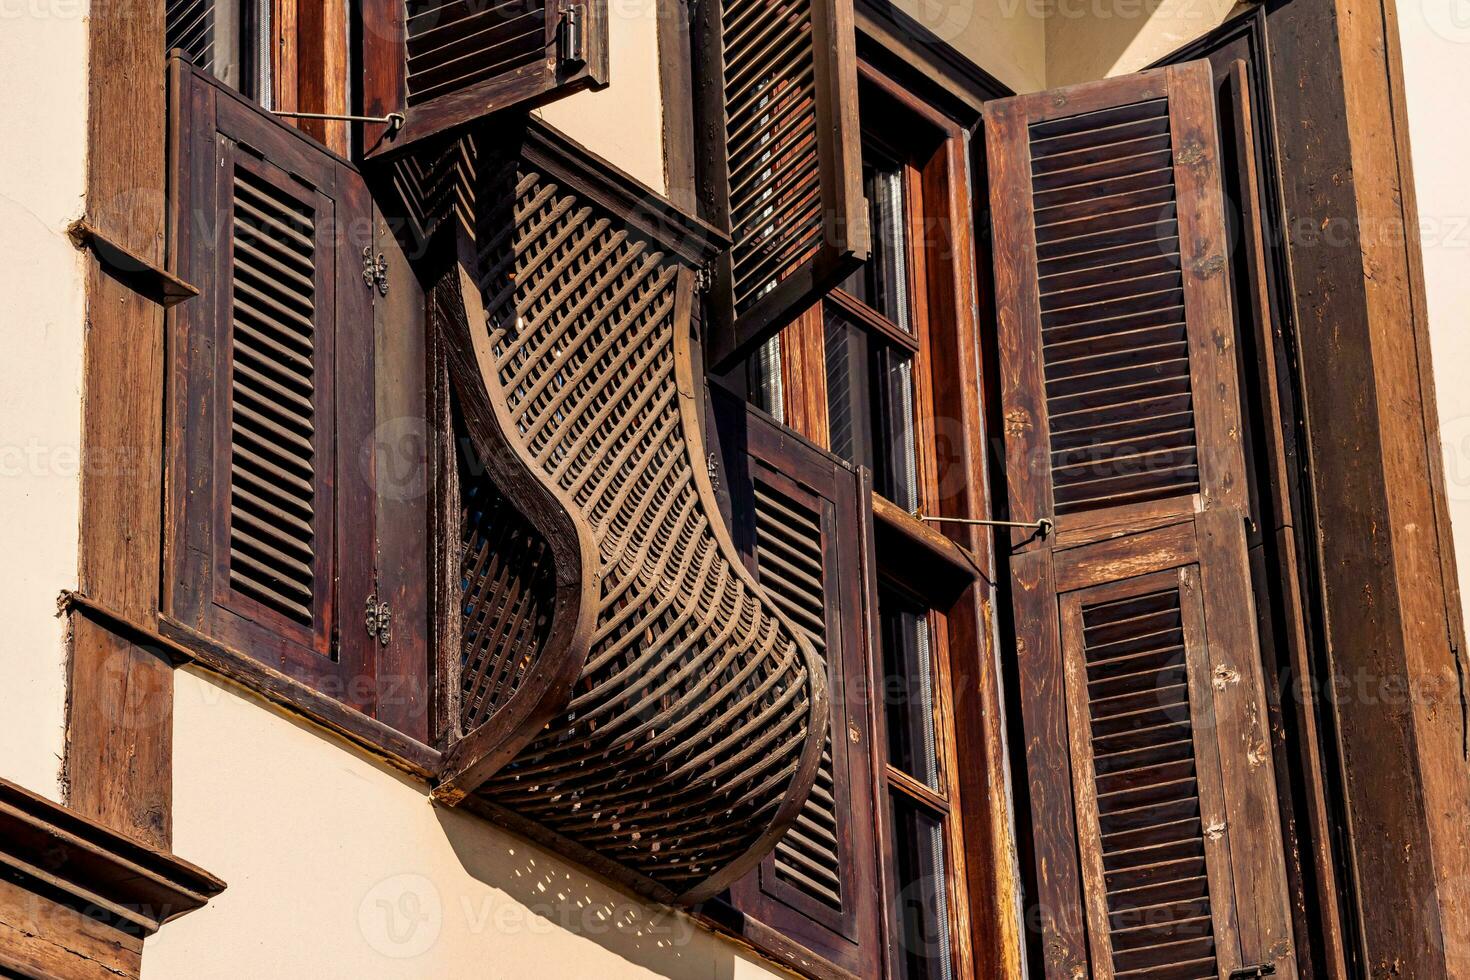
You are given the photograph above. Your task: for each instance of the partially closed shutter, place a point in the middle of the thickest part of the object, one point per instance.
(1142, 693)
(779, 159)
(277, 472)
(445, 63)
(798, 510)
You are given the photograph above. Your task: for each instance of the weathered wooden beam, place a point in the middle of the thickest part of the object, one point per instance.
(1394, 636)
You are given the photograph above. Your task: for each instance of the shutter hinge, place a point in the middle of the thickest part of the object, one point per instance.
(378, 618)
(570, 36)
(704, 277)
(375, 270)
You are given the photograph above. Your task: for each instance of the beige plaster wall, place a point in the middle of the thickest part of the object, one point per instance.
(43, 73)
(339, 867)
(1005, 37)
(1090, 39)
(1435, 40)
(623, 122)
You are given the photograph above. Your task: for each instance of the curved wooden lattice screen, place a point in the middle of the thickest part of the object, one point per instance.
(690, 730)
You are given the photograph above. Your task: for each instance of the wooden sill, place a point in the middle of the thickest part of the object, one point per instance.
(184, 645)
(905, 542)
(77, 899)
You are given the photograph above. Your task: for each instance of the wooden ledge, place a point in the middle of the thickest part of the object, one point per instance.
(904, 541)
(78, 863)
(138, 273)
(184, 645)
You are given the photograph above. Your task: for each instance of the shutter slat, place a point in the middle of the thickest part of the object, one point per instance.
(777, 88)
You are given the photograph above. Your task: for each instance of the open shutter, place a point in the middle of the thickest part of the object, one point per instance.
(1157, 832)
(780, 160)
(797, 514)
(273, 404)
(445, 63)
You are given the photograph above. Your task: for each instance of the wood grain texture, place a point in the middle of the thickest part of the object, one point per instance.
(1365, 366)
(1122, 419)
(77, 899)
(120, 733)
(118, 748)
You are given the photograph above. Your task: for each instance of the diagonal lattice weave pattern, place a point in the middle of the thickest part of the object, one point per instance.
(688, 744)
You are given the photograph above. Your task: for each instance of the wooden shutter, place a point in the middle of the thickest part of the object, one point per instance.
(780, 160)
(797, 510)
(445, 63)
(1159, 850)
(291, 480)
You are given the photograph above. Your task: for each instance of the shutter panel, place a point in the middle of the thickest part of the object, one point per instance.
(272, 402)
(780, 160)
(796, 510)
(445, 63)
(1157, 831)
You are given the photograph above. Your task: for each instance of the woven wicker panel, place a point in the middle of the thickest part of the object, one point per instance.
(693, 734)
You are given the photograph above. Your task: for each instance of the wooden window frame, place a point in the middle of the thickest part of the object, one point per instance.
(930, 81)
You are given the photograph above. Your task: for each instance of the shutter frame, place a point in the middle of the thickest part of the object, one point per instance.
(761, 456)
(1109, 543)
(214, 133)
(734, 329)
(457, 102)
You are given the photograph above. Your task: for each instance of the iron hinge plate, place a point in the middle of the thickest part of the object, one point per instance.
(375, 270)
(378, 617)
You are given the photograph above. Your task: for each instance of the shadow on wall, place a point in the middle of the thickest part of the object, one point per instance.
(555, 895)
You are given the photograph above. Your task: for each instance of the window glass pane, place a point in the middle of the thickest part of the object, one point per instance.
(763, 379)
(882, 282)
(908, 690)
(921, 905)
(896, 474)
(847, 415)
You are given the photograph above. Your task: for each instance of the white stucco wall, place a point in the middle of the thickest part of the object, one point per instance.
(340, 867)
(624, 122)
(1435, 38)
(43, 73)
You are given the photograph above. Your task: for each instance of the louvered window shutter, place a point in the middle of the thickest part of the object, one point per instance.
(445, 63)
(780, 160)
(1157, 830)
(798, 510)
(276, 408)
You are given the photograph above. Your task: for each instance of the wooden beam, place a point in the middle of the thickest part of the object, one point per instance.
(120, 710)
(76, 899)
(1387, 579)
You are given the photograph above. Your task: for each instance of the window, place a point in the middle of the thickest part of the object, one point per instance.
(288, 56)
(863, 338)
(852, 374)
(918, 802)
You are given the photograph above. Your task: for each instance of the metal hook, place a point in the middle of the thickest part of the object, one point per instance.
(1044, 526)
(394, 120)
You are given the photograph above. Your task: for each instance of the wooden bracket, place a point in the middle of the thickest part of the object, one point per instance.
(141, 275)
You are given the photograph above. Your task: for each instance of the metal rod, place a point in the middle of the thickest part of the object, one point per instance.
(394, 120)
(1044, 525)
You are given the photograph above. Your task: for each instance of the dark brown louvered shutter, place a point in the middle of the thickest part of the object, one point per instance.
(797, 510)
(445, 63)
(286, 459)
(780, 160)
(1158, 841)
